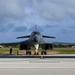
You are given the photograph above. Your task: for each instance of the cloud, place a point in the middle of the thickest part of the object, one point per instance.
(51, 26)
(42, 11)
(51, 16)
(10, 26)
(12, 9)
(33, 28)
(55, 9)
(3, 29)
(47, 9)
(72, 27)
(65, 31)
(20, 29)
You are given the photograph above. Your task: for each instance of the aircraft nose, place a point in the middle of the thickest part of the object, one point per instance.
(36, 39)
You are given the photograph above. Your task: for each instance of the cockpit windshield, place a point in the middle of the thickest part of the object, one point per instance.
(33, 33)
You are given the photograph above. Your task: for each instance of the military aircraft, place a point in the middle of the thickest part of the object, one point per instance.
(35, 39)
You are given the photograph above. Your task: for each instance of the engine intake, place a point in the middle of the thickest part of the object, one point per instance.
(47, 47)
(25, 47)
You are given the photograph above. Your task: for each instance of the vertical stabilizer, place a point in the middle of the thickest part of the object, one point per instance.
(35, 27)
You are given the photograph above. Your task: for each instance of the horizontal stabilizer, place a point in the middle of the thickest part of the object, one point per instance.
(23, 36)
(48, 36)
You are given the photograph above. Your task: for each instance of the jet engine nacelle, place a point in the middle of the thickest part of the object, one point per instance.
(24, 47)
(47, 46)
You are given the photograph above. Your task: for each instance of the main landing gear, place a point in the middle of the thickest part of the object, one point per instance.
(43, 52)
(28, 52)
(36, 53)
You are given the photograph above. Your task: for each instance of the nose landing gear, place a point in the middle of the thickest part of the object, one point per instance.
(43, 52)
(36, 49)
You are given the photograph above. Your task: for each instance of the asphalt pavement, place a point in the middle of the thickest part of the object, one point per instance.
(37, 66)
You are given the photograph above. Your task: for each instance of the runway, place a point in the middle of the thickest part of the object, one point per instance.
(37, 66)
(37, 71)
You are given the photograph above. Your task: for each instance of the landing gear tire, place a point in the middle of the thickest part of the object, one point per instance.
(43, 53)
(28, 52)
(36, 53)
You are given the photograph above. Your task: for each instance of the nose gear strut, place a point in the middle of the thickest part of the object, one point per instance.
(36, 48)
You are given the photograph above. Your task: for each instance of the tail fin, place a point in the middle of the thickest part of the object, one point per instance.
(35, 27)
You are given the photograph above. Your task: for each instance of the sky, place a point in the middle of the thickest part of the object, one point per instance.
(52, 17)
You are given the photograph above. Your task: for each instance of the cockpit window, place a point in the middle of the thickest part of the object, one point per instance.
(33, 33)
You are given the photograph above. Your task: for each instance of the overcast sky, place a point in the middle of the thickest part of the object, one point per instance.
(52, 17)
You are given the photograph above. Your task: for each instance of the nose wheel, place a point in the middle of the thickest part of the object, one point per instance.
(43, 52)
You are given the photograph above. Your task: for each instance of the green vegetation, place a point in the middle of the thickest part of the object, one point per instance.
(6, 50)
(65, 50)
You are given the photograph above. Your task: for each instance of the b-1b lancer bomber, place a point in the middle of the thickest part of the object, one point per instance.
(36, 39)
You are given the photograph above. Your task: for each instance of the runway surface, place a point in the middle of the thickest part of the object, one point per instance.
(37, 66)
